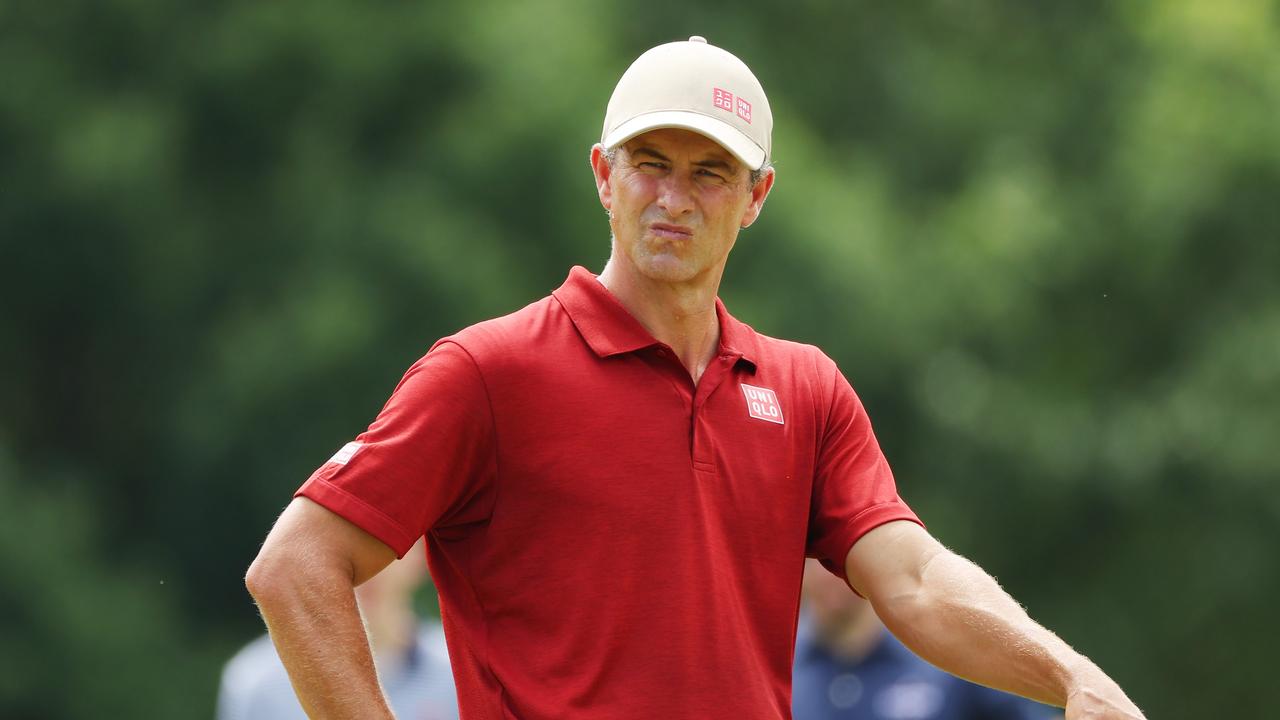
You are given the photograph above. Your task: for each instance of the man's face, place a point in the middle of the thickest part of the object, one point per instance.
(677, 200)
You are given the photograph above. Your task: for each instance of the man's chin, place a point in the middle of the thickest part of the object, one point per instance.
(669, 272)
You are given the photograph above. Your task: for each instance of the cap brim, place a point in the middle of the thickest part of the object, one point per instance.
(729, 137)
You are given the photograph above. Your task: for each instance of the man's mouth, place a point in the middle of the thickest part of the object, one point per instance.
(671, 232)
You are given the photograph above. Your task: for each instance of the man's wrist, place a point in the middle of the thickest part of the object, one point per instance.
(1092, 689)
(1085, 677)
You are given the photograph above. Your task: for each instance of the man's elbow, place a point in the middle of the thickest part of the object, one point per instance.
(264, 578)
(281, 561)
(311, 549)
(913, 598)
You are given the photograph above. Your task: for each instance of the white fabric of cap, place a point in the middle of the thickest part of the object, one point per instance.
(693, 86)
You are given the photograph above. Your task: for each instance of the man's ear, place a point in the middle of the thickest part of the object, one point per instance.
(758, 194)
(600, 167)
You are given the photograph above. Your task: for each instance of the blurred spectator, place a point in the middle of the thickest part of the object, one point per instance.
(849, 667)
(413, 664)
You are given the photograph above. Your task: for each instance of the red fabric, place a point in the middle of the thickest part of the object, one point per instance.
(609, 541)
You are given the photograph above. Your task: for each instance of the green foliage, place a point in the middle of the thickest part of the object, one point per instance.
(84, 634)
(1041, 240)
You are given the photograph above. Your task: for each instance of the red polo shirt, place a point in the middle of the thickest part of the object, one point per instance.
(608, 539)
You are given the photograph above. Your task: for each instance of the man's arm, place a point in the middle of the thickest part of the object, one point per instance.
(953, 614)
(303, 581)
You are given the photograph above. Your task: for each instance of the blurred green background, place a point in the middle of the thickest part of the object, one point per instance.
(1042, 239)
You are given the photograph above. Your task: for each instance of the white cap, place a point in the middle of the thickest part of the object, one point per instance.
(694, 86)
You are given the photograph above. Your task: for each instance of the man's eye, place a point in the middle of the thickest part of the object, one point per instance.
(652, 164)
(709, 174)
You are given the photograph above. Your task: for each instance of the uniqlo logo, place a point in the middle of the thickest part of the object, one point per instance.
(744, 110)
(722, 99)
(762, 404)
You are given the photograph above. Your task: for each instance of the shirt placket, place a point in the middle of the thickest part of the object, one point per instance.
(701, 435)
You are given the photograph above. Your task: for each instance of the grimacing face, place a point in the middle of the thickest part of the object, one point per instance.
(677, 200)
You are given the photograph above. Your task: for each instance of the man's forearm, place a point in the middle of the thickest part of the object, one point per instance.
(955, 615)
(315, 624)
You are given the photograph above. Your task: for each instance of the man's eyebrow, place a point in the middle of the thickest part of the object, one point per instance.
(711, 162)
(650, 151)
(715, 163)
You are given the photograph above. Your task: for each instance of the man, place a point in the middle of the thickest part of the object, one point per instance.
(848, 667)
(409, 653)
(619, 482)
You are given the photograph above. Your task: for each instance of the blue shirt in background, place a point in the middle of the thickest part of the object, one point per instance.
(255, 685)
(891, 683)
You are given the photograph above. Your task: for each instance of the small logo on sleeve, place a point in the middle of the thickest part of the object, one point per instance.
(342, 456)
(762, 404)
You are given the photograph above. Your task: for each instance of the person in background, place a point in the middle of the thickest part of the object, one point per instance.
(849, 667)
(409, 652)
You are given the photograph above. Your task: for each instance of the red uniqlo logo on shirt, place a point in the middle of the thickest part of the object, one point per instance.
(722, 99)
(762, 404)
(744, 109)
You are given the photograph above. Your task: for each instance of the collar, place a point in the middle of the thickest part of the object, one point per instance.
(610, 329)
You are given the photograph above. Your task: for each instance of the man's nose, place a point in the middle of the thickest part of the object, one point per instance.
(675, 195)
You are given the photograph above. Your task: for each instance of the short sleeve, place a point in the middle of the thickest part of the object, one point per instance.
(427, 461)
(853, 488)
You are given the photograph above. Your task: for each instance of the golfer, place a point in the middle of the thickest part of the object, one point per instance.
(619, 483)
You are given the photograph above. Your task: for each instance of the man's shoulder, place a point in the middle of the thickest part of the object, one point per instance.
(526, 328)
(791, 348)
(787, 353)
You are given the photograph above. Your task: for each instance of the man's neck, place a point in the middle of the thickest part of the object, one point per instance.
(679, 315)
